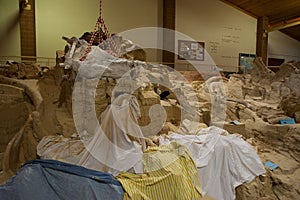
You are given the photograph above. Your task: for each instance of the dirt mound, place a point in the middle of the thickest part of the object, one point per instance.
(21, 70)
(31, 110)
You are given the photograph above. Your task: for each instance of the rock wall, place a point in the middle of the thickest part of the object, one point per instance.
(20, 70)
(14, 111)
(25, 122)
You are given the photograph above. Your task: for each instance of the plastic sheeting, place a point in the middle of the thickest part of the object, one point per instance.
(224, 161)
(48, 179)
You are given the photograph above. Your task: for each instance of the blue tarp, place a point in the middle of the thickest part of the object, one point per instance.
(50, 179)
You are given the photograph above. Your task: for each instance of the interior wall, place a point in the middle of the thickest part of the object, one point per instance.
(10, 28)
(282, 46)
(225, 30)
(57, 18)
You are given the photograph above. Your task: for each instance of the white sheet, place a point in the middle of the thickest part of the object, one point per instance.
(111, 145)
(110, 150)
(224, 161)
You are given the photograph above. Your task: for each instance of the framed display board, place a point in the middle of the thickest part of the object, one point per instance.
(190, 50)
(246, 61)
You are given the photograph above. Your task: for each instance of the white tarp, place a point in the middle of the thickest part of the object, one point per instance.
(224, 161)
(111, 145)
(110, 149)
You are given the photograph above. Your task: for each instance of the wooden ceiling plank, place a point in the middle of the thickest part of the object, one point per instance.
(284, 24)
(238, 8)
(238, 2)
(282, 16)
(293, 32)
(268, 8)
(277, 11)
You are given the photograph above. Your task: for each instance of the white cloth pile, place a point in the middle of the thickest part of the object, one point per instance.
(110, 149)
(224, 161)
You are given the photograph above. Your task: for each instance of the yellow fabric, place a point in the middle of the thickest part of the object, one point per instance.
(169, 173)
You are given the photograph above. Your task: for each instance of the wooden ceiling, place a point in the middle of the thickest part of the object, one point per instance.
(283, 15)
(293, 32)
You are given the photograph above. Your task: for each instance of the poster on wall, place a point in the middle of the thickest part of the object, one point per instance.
(190, 50)
(246, 61)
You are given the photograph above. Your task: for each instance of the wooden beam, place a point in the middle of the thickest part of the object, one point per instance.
(284, 24)
(27, 28)
(262, 38)
(169, 36)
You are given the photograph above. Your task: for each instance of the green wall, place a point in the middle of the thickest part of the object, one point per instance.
(208, 21)
(10, 28)
(57, 18)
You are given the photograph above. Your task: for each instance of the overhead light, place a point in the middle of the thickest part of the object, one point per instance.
(25, 5)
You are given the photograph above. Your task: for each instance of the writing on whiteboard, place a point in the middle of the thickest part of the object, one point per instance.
(230, 35)
(214, 46)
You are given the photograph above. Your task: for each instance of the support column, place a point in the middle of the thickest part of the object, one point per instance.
(262, 38)
(169, 36)
(27, 29)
